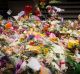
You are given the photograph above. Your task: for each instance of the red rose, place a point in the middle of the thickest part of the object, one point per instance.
(28, 9)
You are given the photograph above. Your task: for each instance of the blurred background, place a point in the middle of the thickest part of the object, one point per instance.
(72, 7)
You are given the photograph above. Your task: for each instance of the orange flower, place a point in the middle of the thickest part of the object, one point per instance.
(8, 25)
(53, 39)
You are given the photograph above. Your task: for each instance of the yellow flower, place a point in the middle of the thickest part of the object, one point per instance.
(21, 39)
(71, 43)
(35, 49)
(38, 33)
(46, 50)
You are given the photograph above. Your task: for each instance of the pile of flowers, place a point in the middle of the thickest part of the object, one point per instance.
(30, 45)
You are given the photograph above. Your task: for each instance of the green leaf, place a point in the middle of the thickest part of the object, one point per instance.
(74, 65)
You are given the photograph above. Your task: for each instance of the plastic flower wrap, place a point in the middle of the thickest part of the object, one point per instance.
(34, 64)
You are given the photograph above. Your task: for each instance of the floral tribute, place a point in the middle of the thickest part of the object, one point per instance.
(29, 45)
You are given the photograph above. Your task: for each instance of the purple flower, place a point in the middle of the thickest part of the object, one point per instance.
(5, 58)
(18, 65)
(30, 37)
(2, 63)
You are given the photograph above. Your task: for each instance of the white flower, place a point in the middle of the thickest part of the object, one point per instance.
(55, 22)
(58, 49)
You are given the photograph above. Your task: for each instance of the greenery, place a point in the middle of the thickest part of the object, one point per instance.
(73, 67)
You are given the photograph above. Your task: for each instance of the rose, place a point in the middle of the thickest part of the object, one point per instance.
(28, 9)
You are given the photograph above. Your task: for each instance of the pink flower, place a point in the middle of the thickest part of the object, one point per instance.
(52, 35)
(37, 37)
